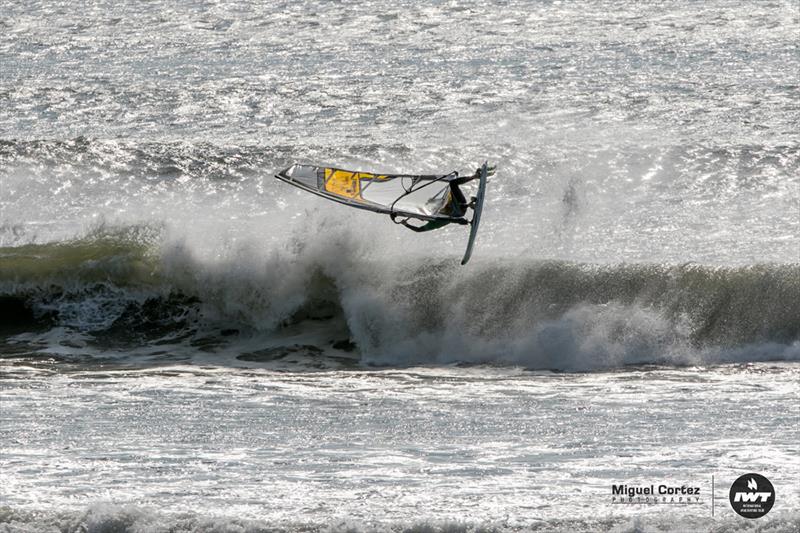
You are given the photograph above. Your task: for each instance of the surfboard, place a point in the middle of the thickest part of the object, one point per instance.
(476, 214)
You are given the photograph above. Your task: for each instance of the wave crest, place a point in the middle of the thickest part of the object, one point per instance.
(130, 287)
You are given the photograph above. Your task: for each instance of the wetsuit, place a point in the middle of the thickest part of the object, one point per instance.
(456, 208)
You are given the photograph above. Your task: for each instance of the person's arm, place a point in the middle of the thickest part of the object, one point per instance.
(464, 179)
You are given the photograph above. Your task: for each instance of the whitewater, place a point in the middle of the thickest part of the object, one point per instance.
(188, 344)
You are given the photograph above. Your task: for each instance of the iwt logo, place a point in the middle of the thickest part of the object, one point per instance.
(752, 496)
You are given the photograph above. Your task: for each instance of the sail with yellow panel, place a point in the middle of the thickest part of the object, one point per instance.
(435, 199)
(424, 197)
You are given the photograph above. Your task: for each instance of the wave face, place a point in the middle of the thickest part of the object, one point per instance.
(129, 289)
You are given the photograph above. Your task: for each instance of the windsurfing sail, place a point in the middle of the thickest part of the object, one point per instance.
(424, 197)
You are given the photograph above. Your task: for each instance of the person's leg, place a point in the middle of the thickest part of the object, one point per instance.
(460, 203)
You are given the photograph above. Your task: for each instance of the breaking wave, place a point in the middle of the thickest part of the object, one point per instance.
(128, 287)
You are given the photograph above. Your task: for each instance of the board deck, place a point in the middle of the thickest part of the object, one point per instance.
(476, 214)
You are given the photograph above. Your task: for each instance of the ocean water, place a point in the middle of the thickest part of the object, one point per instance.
(188, 344)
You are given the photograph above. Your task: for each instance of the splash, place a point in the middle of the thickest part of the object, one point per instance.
(131, 286)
